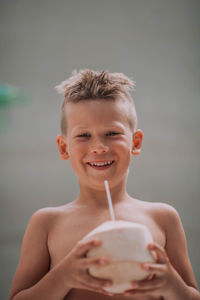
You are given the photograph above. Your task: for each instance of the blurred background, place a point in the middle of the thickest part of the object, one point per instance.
(156, 42)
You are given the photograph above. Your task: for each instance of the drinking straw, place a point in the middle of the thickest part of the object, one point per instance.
(109, 200)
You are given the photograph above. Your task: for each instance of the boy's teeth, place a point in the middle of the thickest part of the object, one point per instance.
(101, 164)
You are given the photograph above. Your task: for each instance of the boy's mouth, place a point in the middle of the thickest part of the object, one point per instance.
(100, 165)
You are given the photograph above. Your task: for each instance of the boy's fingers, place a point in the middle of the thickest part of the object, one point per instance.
(84, 246)
(157, 269)
(95, 289)
(147, 284)
(144, 287)
(135, 293)
(87, 262)
(96, 283)
(161, 256)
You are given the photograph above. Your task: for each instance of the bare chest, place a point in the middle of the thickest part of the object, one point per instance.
(68, 231)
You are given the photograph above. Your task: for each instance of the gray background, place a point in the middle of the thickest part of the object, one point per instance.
(156, 42)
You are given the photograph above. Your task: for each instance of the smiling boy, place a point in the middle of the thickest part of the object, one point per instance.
(99, 137)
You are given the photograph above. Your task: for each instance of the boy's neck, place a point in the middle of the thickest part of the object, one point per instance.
(97, 198)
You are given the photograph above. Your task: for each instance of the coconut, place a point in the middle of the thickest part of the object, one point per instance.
(124, 244)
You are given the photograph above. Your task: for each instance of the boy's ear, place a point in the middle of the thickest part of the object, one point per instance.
(62, 147)
(137, 142)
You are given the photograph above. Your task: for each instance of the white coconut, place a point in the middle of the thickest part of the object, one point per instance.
(124, 244)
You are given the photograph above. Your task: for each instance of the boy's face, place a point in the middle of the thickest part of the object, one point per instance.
(99, 141)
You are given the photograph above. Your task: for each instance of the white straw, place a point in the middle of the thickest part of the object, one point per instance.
(109, 200)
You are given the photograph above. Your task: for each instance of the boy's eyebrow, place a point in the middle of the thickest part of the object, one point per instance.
(76, 128)
(106, 127)
(114, 127)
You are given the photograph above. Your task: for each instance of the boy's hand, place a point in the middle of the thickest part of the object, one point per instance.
(76, 266)
(162, 276)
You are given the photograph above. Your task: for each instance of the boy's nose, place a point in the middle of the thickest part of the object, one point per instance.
(99, 148)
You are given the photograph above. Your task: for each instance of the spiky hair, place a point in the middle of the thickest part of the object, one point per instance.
(90, 85)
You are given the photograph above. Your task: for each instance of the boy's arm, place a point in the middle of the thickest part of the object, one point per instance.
(32, 279)
(172, 275)
(176, 247)
(177, 252)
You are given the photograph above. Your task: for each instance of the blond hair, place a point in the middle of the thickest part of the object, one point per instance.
(93, 85)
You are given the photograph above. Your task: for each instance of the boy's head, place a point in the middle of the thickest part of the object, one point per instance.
(92, 85)
(98, 126)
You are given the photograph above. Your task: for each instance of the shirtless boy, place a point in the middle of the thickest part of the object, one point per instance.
(99, 136)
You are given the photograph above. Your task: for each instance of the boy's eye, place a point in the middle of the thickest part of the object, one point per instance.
(83, 135)
(112, 133)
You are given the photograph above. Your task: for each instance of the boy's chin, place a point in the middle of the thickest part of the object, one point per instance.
(100, 185)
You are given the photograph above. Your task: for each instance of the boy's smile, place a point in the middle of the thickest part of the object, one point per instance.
(99, 141)
(101, 165)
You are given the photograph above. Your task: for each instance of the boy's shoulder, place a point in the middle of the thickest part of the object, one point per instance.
(160, 207)
(166, 215)
(53, 210)
(157, 207)
(165, 210)
(163, 213)
(49, 215)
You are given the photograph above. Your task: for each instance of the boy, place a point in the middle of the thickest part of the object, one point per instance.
(99, 136)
